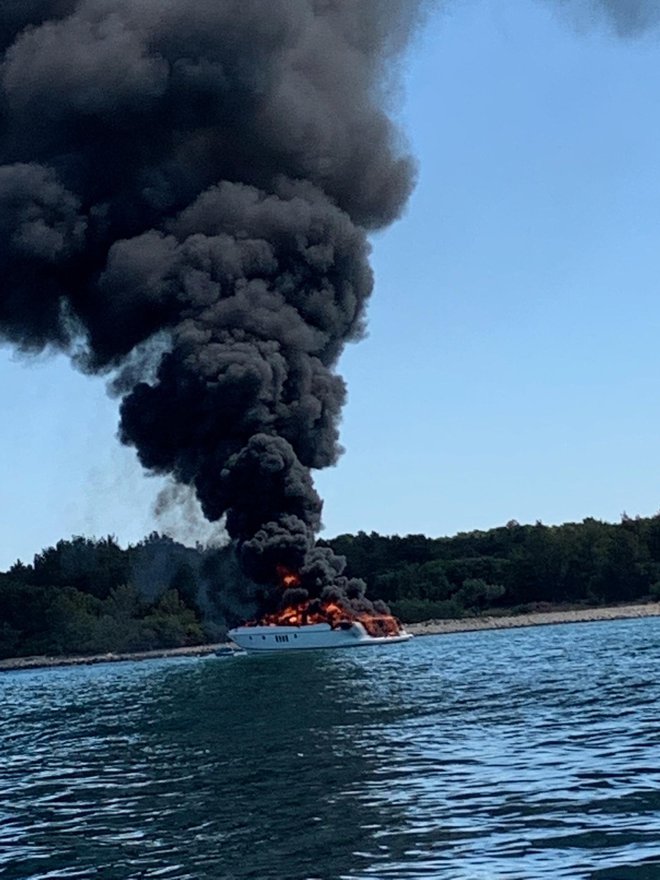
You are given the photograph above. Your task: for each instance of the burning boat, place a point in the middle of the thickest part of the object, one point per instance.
(314, 625)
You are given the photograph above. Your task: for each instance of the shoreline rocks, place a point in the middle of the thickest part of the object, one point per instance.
(40, 662)
(537, 618)
(427, 628)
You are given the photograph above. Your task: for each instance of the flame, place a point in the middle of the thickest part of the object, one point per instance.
(377, 625)
(337, 616)
(287, 578)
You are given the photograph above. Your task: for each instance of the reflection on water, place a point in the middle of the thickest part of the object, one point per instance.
(488, 755)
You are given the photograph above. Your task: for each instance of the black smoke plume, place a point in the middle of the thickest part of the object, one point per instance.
(628, 18)
(186, 189)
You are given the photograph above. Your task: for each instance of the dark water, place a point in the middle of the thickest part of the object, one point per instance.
(494, 755)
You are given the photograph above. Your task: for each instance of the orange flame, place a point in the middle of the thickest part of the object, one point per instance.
(287, 578)
(337, 616)
(377, 625)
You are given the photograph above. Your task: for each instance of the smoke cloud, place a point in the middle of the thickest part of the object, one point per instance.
(628, 18)
(186, 189)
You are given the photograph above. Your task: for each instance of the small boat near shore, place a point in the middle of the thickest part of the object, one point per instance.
(351, 634)
(225, 651)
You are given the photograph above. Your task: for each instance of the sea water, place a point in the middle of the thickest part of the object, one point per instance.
(532, 753)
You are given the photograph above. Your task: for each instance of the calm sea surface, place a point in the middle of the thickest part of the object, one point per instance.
(523, 754)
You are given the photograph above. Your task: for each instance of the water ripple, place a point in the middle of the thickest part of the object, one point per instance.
(478, 756)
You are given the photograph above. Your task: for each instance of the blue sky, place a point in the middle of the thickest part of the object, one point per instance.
(511, 369)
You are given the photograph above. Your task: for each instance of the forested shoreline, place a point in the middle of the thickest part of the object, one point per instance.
(513, 568)
(88, 596)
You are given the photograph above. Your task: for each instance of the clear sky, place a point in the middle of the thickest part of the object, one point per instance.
(511, 370)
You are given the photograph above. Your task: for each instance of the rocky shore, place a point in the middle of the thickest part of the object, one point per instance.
(13, 663)
(537, 618)
(427, 628)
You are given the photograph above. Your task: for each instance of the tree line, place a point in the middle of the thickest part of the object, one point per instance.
(92, 596)
(88, 596)
(513, 568)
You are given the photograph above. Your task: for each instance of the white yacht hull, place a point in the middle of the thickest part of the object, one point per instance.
(303, 638)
